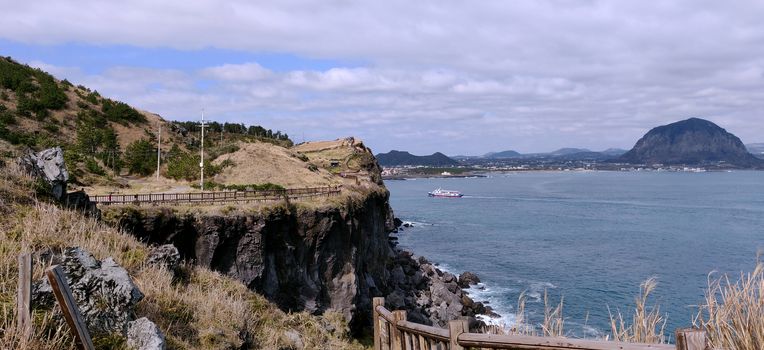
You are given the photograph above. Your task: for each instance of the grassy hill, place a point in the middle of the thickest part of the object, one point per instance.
(104, 140)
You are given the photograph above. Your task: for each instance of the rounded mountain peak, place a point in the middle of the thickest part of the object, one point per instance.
(692, 141)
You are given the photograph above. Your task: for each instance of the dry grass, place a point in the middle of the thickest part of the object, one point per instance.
(647, 324)
(552, 326)
(262, 162)
(201, 310)
(733, 312)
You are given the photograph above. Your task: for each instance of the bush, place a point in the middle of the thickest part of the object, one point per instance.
(51, 128)
(185, 166)
(93, 97)
(140, 157)
(92, 166)
(120, 112)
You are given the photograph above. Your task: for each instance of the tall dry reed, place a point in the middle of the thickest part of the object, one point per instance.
(647, 324)
(733, 312)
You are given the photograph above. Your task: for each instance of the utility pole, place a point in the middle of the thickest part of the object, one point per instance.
(159, 148)
(201, 163)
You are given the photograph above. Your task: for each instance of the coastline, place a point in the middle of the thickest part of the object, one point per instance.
(441, 295)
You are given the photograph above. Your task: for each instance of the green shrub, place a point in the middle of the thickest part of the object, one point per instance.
(140, 157)
(50, 127)
(93, 97)
(121, 113)
(6, 117)
(185, 166)
(92, 166)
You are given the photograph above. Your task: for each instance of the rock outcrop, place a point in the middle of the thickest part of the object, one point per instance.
(165, 255)
(332, 258)
(430, 296)
(48, 165)
(143, 334)
(315, 260)
(691, 142)
(103, 290)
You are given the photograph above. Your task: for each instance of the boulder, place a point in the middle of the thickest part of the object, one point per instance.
(293, 340)
(79, 200)
(48, 165)
(143, 334)
(166, 255)
(466, 279)
(448, 277)
(103, 291)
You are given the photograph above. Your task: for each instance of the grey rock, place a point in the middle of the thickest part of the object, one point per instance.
(142, 334)
(103, 291)
(166, 255)
(294, 340)
(49, 166)
(466, 279)
(79, 200)
(448, 277)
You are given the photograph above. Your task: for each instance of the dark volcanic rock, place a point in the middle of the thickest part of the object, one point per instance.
(333, 258)
(468, 278)
(691, 142)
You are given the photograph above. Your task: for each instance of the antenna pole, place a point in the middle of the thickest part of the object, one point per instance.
(201, 163)
(159, 148)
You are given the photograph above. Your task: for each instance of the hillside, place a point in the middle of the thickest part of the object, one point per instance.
(503, 154)
(399, 158)
(691, 142)
(109, 144)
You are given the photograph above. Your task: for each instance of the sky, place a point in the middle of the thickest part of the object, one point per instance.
(459, 77)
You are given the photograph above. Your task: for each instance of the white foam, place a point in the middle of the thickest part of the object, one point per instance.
(497, 300)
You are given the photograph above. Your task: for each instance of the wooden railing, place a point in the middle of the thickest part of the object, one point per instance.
(393, 332)
(216, 197)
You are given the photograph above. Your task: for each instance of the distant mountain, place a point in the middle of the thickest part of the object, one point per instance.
(397, 158)
(568, 151)
(757, 149)
(690, 142)
(503, 154)
(615, 152)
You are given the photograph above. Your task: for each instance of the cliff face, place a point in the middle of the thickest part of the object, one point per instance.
(301, 259)
(693, 142)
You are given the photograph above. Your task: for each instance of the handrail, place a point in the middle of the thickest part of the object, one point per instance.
(495, 341)
(427, 331)
(393, 331)
(384, 313)
(217, 196)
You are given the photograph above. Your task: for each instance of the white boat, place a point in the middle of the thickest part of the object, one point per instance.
(445, 193)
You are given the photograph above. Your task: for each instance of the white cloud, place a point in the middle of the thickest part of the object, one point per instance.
(531, 75)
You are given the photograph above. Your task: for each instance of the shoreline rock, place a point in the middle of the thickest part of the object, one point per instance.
(430, 295)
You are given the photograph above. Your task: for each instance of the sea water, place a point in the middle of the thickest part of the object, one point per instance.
(588, 237)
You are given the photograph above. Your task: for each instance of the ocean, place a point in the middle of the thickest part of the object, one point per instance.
(588, 237)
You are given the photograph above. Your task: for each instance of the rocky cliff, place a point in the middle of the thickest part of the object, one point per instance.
(299, 258)
(303, 258)
(691, 142)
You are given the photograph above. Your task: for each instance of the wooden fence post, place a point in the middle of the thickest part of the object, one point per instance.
(398, 339)
(456, 328)
(63, 294)
(24, 296)
(691, 339)
(378, 301)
